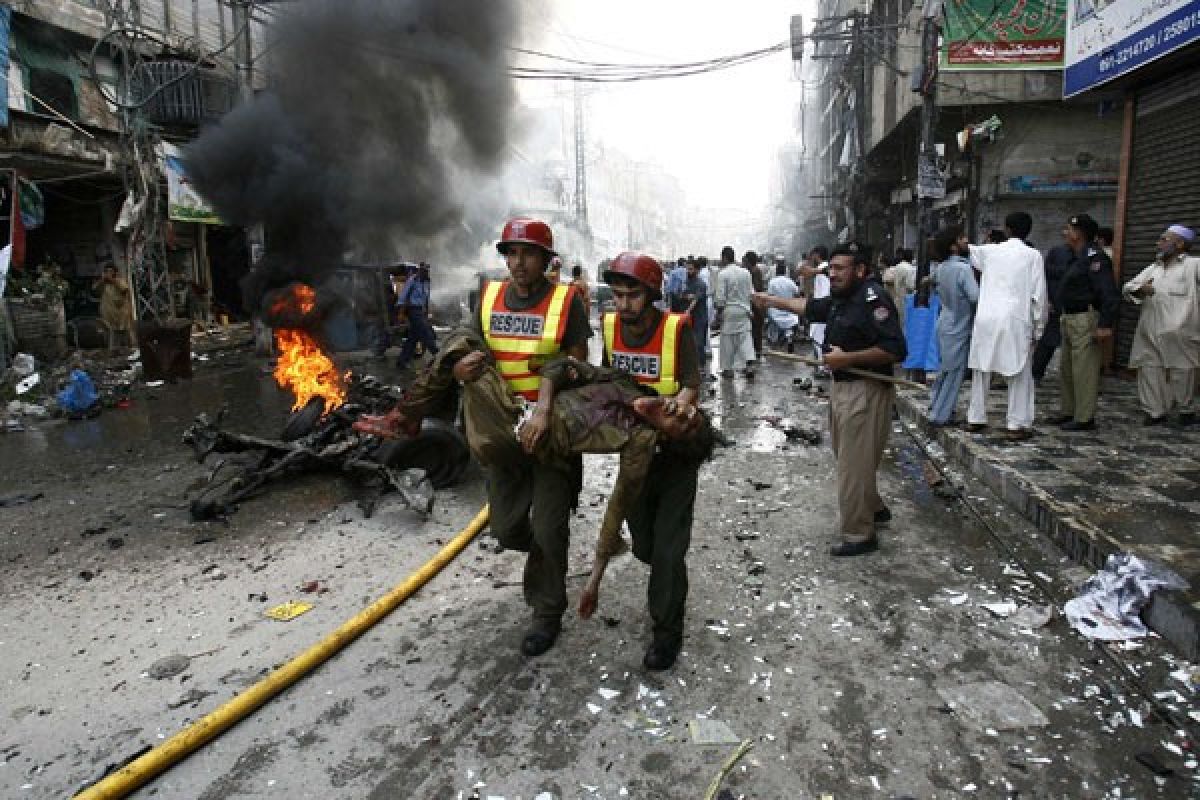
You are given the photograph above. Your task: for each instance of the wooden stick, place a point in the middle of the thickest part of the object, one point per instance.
(862, 373)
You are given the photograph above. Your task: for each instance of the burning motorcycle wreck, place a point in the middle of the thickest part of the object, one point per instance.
(319, 434)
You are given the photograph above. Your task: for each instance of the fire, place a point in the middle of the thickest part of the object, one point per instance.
(305, 370)
(298, 300)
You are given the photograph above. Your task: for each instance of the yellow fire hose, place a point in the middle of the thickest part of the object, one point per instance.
(204, 730)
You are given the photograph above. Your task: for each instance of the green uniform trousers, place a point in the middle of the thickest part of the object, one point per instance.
(1079, 369)
(530, 501)
(660, 523)
(530, 511)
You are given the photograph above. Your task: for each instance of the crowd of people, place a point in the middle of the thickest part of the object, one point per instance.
(532, 404)
(1005, 308)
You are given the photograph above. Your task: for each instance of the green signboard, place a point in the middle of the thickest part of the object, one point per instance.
(1004, 34)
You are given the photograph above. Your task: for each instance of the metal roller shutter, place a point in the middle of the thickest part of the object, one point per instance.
(1164, 163)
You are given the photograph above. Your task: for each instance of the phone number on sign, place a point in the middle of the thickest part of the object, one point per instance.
(1149, 43)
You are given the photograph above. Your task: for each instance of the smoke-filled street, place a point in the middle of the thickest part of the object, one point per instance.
(126, 621)
(545, 400)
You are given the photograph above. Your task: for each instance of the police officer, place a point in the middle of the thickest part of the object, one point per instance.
(1088, 302)
(863, 332)
(413, 305)
(659, 350)
(526, 321)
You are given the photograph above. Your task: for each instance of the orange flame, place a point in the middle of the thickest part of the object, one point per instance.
(299, 299)
(305, 370)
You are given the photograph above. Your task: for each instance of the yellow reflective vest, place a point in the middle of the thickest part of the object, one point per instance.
(522, 340)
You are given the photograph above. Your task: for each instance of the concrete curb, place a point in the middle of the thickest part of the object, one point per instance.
(1170, 614)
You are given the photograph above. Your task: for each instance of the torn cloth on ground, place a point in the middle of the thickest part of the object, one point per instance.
(1109, 604)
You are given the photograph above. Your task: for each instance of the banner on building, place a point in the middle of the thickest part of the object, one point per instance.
(1110, 38)
(184, 203)
(1004, 34)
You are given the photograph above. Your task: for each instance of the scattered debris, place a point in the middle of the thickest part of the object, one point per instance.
(1110, 602)
(192, 697)
(991, 704)
(168, 667)
(289, 610)
(711, 731)
(316, 438)
(1032, 617)
(713, 787)
(20, 499)
(1151, 762)
(1003, 610)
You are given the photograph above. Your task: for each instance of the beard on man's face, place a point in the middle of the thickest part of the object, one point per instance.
(848, 289)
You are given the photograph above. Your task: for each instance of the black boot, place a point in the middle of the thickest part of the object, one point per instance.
(854, 548)
(662, 653)
(540, 638)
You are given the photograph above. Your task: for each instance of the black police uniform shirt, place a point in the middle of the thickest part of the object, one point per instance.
(1089, 283)
(866, 318)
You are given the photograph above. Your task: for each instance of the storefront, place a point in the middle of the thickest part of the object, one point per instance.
(1152, 62)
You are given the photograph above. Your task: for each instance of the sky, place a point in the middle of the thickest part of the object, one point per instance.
(719, 132)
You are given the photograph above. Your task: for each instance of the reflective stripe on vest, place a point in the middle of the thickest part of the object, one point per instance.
(654, 363)
(521, 341)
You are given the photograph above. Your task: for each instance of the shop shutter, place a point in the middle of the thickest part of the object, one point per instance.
(1162, 182)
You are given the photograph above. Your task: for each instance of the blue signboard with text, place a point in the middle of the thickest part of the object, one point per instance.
(1110, 38)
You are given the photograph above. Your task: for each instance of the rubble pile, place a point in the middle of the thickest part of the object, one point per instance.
(314, 438)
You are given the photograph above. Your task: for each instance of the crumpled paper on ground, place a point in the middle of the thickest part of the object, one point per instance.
(1110, 602)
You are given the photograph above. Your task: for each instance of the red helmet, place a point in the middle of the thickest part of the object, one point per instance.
(639, 266)
(526, 230)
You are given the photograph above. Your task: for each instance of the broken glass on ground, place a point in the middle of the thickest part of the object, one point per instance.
(711, 731)
(991, 704)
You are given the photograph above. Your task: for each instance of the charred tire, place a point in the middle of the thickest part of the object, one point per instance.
(438, 448)
(302, 422)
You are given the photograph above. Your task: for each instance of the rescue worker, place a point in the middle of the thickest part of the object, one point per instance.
(523, 322)
(862, 331)
(659, 350)
(1088, 301)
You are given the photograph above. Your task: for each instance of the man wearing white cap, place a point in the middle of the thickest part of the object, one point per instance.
(1166, 346)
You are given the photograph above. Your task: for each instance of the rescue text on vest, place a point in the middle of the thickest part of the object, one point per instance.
(507, 323)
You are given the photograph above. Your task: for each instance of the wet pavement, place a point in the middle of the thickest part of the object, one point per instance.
(1121, 487)
(892, 675)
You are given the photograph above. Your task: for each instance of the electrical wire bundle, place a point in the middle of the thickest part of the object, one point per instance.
(605, 72)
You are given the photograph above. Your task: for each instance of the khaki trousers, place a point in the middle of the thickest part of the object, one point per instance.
(1161, 390)
(860, 416)
(1079, 369)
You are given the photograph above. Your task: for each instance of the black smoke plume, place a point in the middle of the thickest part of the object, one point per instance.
(378, 113)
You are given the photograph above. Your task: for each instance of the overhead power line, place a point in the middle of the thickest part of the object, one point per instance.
(581, 70)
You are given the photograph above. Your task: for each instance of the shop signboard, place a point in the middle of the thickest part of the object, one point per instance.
(1110, 38)
(1004, 35)
(1059, 184)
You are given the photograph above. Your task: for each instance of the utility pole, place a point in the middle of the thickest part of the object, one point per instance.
(244, 49)
(581, 208)
(930, 184)
(858, 180)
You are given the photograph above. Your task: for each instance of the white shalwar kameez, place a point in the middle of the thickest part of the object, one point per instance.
(734, 288)
(1166, 345)
(1008, 322)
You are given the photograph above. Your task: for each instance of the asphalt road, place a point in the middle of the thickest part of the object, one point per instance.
(837, 671)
